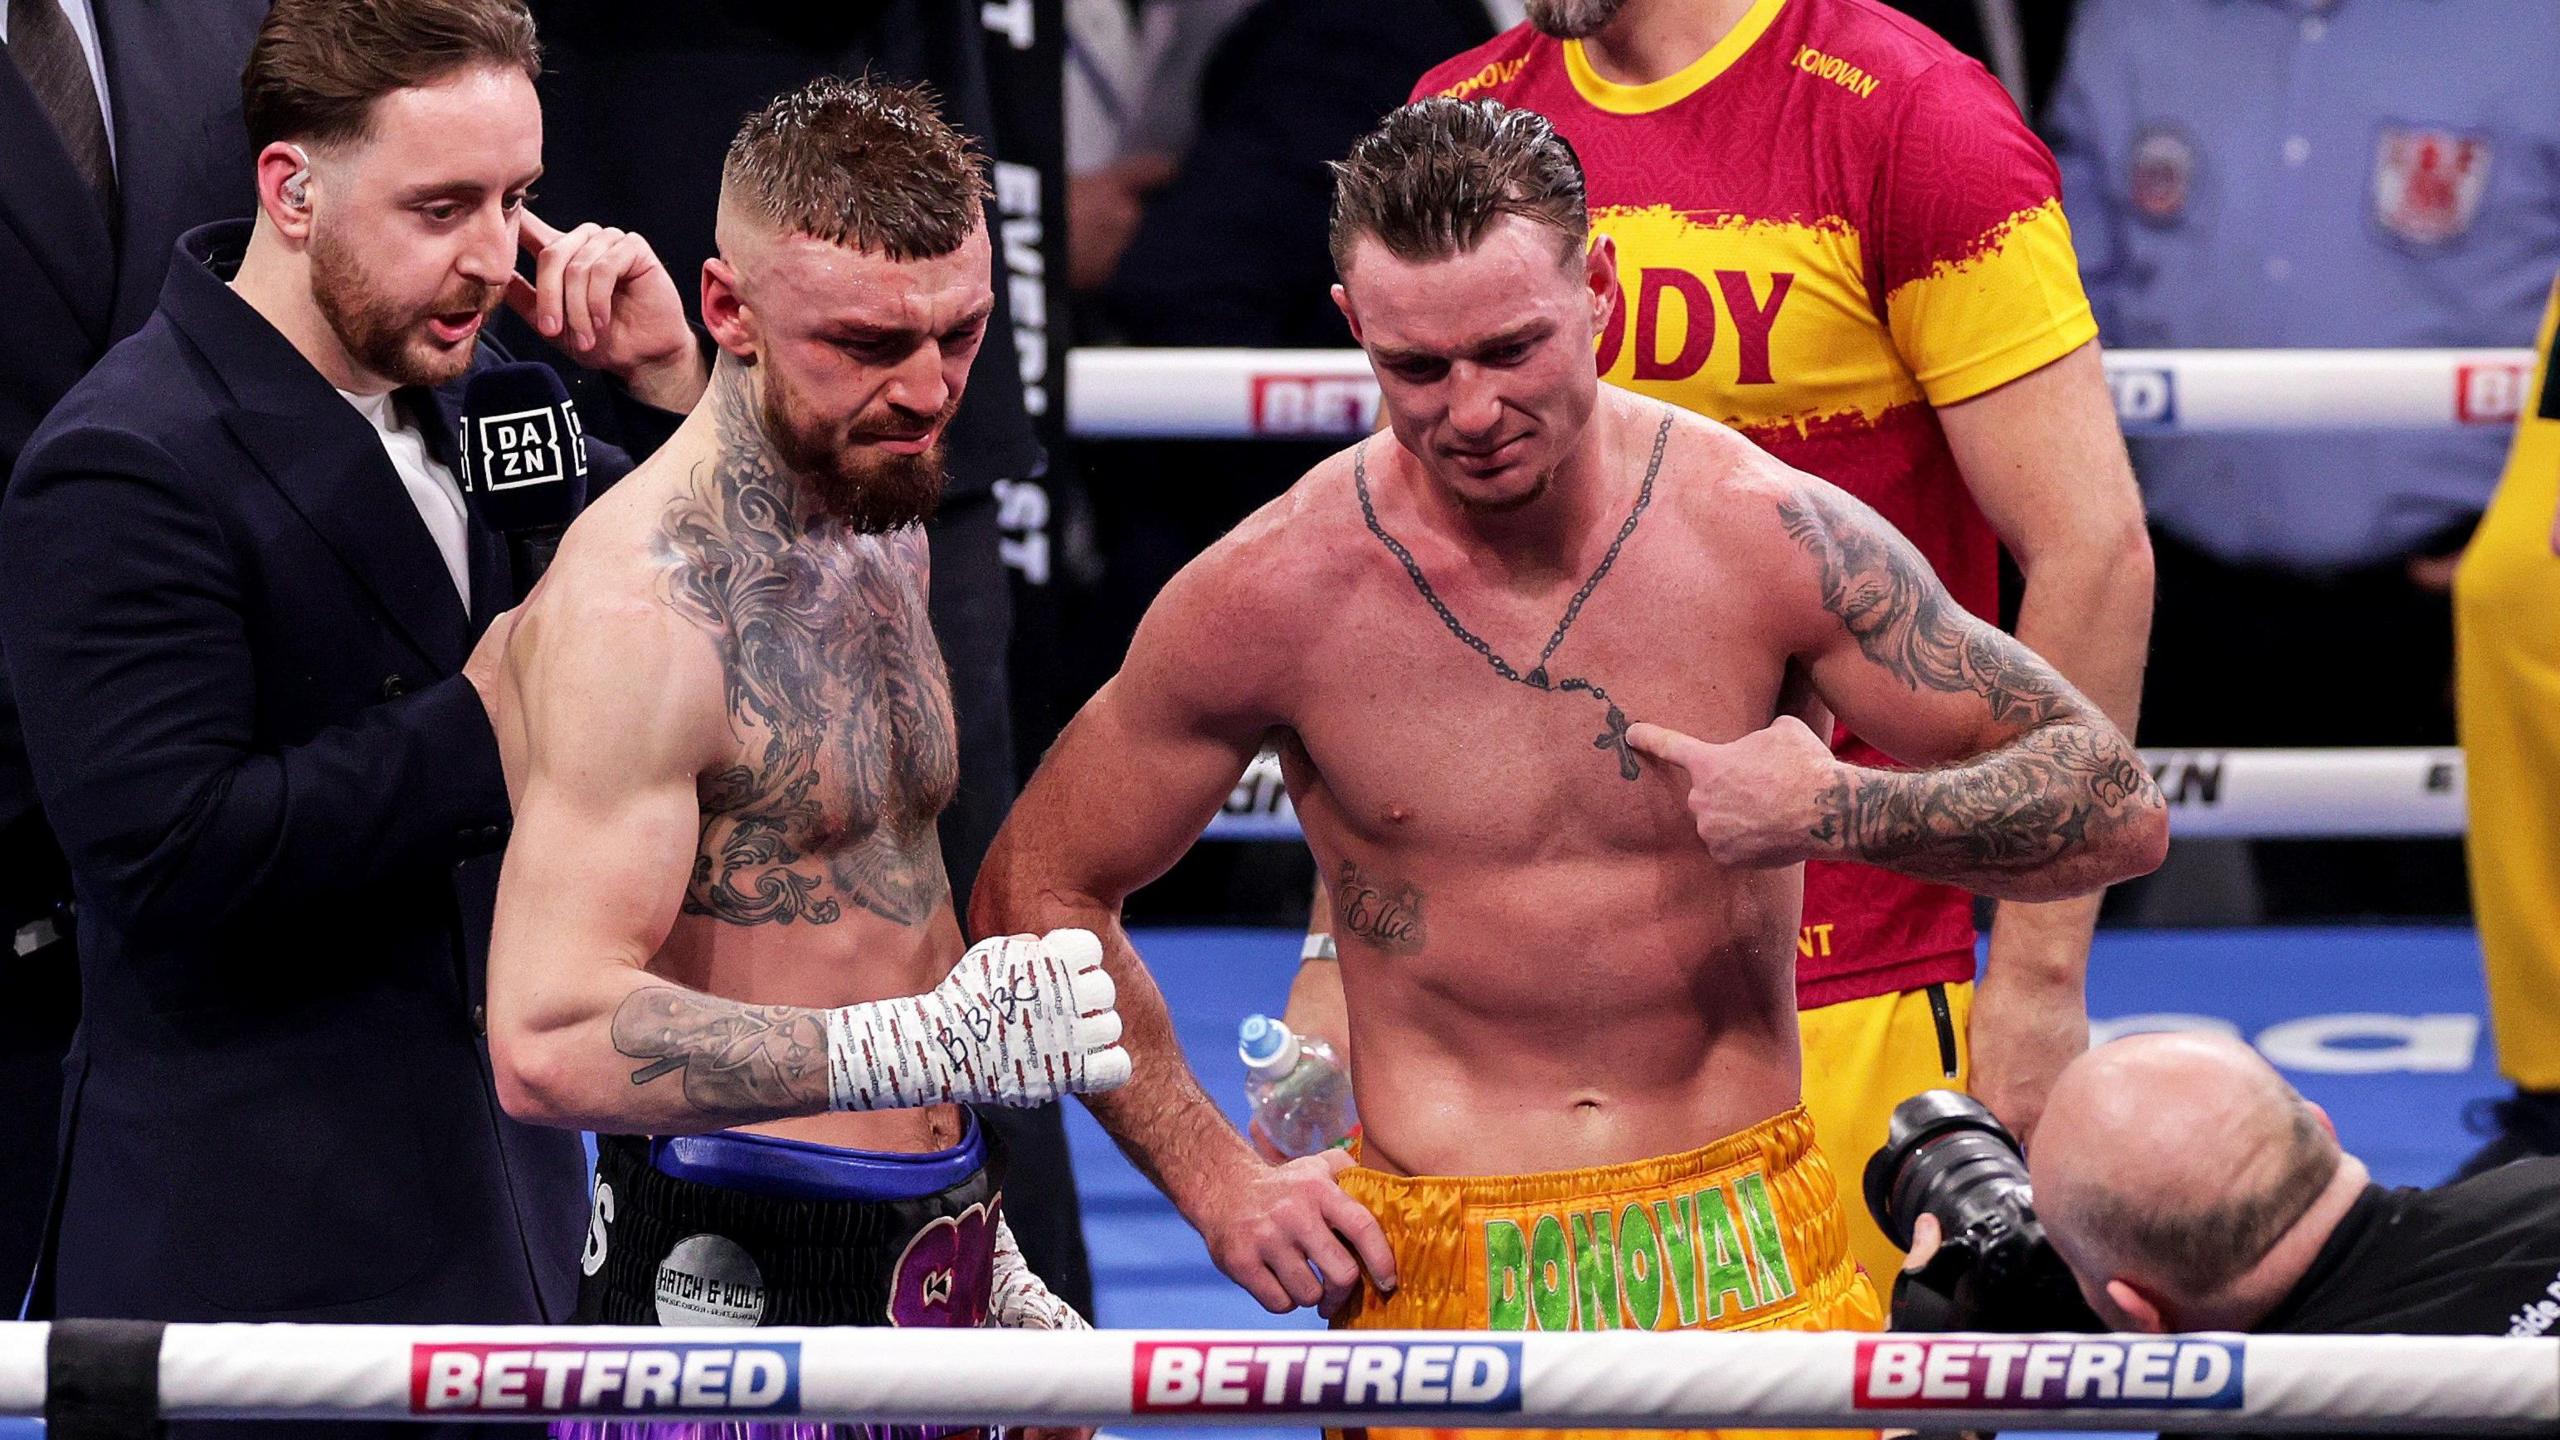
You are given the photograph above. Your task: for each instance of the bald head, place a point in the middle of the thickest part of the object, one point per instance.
(2177, 1162)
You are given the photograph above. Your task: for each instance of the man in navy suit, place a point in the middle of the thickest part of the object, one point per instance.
(87, 219)
(121, 121)
(243, 593)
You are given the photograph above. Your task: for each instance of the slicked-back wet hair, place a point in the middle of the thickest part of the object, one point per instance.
(865, 162)
(1435, 175)
(318, 65)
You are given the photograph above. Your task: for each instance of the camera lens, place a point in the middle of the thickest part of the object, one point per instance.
(1944, 1154)
(1947, 1156)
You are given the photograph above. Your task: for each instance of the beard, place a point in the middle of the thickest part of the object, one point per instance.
(1573, 19)
(867, 490)
(381, 335)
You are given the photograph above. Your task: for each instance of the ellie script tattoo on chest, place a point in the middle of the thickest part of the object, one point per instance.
(835, 684)
(1381, 912)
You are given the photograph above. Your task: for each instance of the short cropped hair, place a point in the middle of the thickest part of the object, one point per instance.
(1435, 175)
(318, 65)
(2193, 1254)
(868, 163)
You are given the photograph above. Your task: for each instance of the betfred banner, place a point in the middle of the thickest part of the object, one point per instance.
(1325, 1376)
(2049, 1374)
(584, 1379)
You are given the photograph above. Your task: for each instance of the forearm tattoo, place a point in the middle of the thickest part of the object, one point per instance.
(1380, 912)
(749, 1061)
(2041, 798)
(2067, 779)
(828, 659)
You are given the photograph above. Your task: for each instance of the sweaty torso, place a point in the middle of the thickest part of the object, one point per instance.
(823, 725)
(1828, 226)
(1543, 967)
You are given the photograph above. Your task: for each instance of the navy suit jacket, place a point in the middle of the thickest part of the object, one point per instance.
(238, 654)
(69, 287)
(183, 159)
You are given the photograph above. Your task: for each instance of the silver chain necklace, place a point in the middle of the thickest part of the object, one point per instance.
(1613, 738)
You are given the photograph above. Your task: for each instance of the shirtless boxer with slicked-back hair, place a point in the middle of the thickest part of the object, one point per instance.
(1483, 645)
(727, 732)
(1839, 237)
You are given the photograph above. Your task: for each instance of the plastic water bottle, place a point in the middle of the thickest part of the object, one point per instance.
(1297, 1088)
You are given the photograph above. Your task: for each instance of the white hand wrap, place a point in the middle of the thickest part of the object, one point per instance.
(1021, 1020)
(1019, 1301)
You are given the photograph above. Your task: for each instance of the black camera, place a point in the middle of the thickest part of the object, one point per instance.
(1945, 1155)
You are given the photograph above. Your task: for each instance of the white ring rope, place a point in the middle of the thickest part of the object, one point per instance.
(2230, 794)
(1231, 394)
(1690, 1379)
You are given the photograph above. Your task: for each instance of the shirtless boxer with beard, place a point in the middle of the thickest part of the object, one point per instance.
(724, 937)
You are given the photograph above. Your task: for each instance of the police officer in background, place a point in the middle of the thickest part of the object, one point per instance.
(2189, 1188)
(243, 589)
(2395, 188)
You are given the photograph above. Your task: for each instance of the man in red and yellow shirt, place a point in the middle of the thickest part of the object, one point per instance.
(1836, 234)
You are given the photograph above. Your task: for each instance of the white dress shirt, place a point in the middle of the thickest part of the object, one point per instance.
(430, 485)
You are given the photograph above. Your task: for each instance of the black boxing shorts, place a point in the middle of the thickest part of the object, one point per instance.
(735, 1228)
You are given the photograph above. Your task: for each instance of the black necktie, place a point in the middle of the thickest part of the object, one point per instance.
(47, 52)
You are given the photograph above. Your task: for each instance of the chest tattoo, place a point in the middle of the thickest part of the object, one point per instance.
(1614, 737)
(1382, 912)
(836, 687)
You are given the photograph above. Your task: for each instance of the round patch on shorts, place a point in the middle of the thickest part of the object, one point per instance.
(709, 1280)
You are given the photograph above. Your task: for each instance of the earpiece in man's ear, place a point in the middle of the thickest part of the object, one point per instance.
(297, 186)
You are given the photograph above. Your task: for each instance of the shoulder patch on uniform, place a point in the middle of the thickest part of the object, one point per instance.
(2428, 184)
(2164, 174)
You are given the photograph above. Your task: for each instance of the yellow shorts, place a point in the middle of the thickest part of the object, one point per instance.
(2507, 663)
(1862, 1058)
(1744, 1234)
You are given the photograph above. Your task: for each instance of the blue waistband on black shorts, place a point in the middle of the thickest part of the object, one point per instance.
(756, 1164)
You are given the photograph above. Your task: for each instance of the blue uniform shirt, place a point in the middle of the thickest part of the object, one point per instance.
(2359, 173)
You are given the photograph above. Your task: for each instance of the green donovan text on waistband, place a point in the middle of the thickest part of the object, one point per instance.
(1594, 1270)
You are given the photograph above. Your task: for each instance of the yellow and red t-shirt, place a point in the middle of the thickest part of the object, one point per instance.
(1827, 225)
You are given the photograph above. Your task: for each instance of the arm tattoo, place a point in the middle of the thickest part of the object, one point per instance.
(1902, 619)
(748, 1061)
(2067, 779)
(2039, 799)
(1380, 912)
(826, 657)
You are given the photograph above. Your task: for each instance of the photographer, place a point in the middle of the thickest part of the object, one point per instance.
(2188, 1188)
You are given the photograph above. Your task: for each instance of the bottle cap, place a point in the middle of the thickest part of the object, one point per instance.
(1266, 1046)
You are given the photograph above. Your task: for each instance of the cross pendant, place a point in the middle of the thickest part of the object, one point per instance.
(1615, 738)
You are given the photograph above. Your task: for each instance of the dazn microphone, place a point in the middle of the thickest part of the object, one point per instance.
(524, 461)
